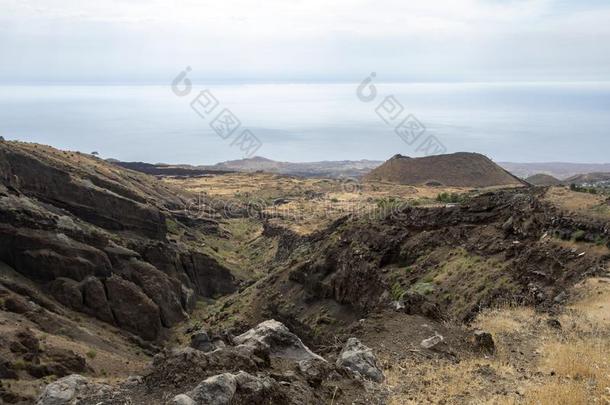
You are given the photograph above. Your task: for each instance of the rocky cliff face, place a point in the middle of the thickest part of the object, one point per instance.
(94, 236)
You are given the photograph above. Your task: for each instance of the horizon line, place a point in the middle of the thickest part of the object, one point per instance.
(197, 81)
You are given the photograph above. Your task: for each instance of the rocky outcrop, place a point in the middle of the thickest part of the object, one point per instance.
(70, 390)
(360, 360)
(94, 237)
(132, 309)
(237, 389)
(164, 291)
(201, 341)
(107, 204)
(95, 300)
(67, 292)
(273, 337)
(232, 374)
(63, 391)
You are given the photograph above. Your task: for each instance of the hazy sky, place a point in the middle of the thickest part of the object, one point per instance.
(304, 40)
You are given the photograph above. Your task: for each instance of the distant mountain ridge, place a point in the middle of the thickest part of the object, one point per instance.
(342, 168)
(560, 170)
(589, 179)
(349, 168)
(332, 169)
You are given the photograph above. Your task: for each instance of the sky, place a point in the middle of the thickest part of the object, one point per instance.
(518, 80)
(147, 41)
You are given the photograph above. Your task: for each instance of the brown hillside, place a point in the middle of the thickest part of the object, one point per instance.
(460, 169)
(542, 179)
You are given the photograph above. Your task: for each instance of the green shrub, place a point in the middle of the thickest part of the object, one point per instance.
(423, 288)
(578, 235)
(452, 198)
(19, 364)
(397, 291)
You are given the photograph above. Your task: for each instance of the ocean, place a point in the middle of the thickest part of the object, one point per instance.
(522, 122)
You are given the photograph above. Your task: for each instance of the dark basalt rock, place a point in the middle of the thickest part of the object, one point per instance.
(94, 237)
(95, 300)
(132, 309)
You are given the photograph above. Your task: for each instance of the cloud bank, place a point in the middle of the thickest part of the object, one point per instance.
(313, 40)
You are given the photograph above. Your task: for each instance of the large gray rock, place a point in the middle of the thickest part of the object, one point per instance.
(234, 389)
(360, 360)
(274, 337)
(63, 391)
(216, 390)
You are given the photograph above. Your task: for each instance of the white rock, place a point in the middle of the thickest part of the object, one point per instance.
(432, 341)
(182, 399)
(216, 390)
(274, 337)
(62, 391)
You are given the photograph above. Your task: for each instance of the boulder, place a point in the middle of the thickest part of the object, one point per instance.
(182, 399)
(256, 390)
(63, 391)
(95, 300)
(190, 366)
(67, 292)
(360, 360)
(234, 389)
(432, 341)
(163, 290)
(17, 304)
(417, 304)
(133, 310)
(275, 338)
(315, 371)
(560, 298)
(216, 390)
(28, 340)
(483, 342)
(63, 361)
(201, 341)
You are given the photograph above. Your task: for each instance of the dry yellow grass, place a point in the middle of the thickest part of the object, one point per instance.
(309, 204)
(558, 393)
(438, 382)
(507, 319)
(566, 367)
(590, 205)
(594, 300)
(578, 359)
